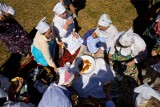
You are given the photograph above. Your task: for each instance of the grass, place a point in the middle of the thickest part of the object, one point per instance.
(29, 12)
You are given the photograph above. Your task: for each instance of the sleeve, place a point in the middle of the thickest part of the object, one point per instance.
(46, 53)
(58, 27)
(7, 9)
(140, 51)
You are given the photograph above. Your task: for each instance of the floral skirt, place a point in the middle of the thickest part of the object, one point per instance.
(14, 37)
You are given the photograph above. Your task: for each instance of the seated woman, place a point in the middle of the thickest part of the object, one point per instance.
(12, 33)
(98, 41)
(43, 45)
(64, 28)
(152, 37)
(129, 49)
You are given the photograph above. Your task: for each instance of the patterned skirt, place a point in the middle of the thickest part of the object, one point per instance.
(131, 71)
(14, 37)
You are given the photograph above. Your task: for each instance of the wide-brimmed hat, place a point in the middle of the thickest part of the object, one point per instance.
(84, 64)
(126, 39)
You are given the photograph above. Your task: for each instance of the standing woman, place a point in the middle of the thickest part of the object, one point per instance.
(11, 32)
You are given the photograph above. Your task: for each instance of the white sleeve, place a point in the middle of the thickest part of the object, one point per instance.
(58, 27)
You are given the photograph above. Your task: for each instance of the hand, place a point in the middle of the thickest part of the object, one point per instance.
(2, 17)
(75, 35)
(20, 80)
(154, 53)
(130, 63)
(60, 43)
(55, 69)
(69, 21)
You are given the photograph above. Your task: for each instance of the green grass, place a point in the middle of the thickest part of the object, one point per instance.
(29, 12)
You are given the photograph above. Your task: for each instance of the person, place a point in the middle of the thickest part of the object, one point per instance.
(6, 100)
(99, 41)
(93, 74)
(129, 49)
(57, 93)
(43, 44)
(64, 28)
(145, 95)
(69, 5)
(152, 37)
(12, 34)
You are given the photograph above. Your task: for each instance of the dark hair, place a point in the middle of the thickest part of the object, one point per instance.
(119, 67)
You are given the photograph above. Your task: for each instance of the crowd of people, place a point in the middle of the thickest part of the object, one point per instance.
(103, 68)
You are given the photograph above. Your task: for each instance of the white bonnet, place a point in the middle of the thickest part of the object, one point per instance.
(127, 38)
(104, 20)
(42, 26)
(59, 8)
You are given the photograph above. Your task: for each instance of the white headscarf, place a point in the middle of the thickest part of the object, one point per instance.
(145, 93)
(104, 20)
(42, 26)
(59, 8)
(127, 38)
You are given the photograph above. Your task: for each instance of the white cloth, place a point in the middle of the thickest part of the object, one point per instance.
(6, 9)
(126, 39)
(41, 42)
(91, 84)
(72, 44)
(137, 49)
(104, 20)
(145, 93)
(59, 8)
(42, 26)
(65, 77)
(111, 35)
(55, 96)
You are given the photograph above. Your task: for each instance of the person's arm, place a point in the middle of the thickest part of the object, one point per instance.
(100, 50)
(67, 24)
(46, 53)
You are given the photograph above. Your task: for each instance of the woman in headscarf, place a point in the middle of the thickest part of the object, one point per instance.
(43, 47)
(64, 27)
(129, 49)
(12, 33)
